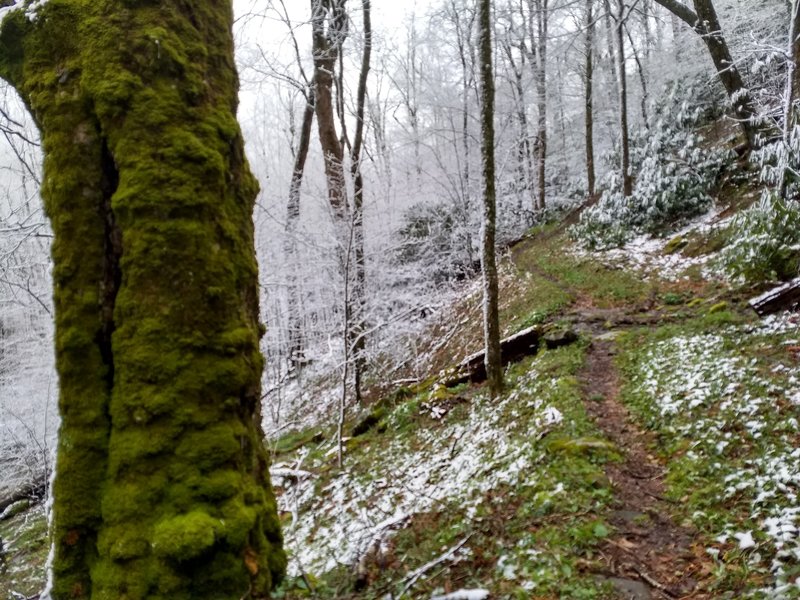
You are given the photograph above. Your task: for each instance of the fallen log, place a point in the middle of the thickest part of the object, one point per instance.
(33, 492)
(473, 368)
(783, 297)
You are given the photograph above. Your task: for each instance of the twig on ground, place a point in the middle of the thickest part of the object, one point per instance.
(412, 578)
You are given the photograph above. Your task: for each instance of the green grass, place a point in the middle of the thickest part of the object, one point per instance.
(579, 278)
(537, 536)
(731, 422)
(25, 550)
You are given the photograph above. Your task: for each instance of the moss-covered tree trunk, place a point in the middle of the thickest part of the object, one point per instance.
(161, 487)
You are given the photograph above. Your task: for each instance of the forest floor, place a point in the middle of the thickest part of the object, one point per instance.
(656, 457)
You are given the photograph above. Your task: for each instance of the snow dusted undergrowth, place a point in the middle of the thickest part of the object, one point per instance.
(646, 254)
(451, 465)
(737, 407)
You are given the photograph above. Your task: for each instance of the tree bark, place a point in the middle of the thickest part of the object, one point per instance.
(358, 327)
(589, 99)
(162, 486)
(296, 354)
(642, 80)
(792, 92)
(625, 159)
(539, 61)
(328, 22)
(610, 36)
(794, 51)
(463, 41)
(706, 24)
(494, 367)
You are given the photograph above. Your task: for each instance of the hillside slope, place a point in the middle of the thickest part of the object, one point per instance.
(655, 457)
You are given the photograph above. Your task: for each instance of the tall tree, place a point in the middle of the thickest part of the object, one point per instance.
(538, 17)
(463, 18)
(300, 148)
(792, 92)
(296, 346)
(161, 487)
(358, 331)
(624, 152)
(491, 319)
(793, 79)
(329, 31)
(588, 75)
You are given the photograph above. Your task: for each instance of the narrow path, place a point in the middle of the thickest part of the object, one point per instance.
(648, 556)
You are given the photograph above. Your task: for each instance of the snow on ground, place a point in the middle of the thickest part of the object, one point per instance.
(453, 465)
(708, 392)
(645, 253)
(464, 595)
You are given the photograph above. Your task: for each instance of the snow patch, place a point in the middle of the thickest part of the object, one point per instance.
(464, 595)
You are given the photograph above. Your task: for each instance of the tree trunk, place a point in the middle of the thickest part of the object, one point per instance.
(412, 105)
(162, 486)
(467, 75)
(358, 326)
(625, 159)
(792, 92)
(328, 32)
(612, 54)
(642, 80)
(794, 52)
(494, 367)
(705, 22)
(539, 48)
(296, 354)
(589, 99)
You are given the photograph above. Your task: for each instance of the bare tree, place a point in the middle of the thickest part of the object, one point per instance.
(358, 328)
(624, 150)
(516, 66)
(494, 367)
(538, 16)
(329, 25)
(588, 75)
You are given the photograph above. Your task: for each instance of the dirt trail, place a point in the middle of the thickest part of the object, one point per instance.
(648, 556)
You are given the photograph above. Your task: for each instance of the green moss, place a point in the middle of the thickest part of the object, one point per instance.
(589, 446)
(161, 488)
(718, 307)
(184, 536)
(675, 245)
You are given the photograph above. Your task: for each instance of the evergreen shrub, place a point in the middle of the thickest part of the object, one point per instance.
(676, 173)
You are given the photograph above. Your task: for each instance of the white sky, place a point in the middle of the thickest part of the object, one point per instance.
(387, 16)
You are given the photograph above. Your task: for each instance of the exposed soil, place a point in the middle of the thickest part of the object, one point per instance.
(648, 555)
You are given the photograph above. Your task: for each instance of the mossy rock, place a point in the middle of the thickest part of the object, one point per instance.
(558, 337)
(706, 243)
(675, 245)
(400, 394)
(440, 392)
(368, 421)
